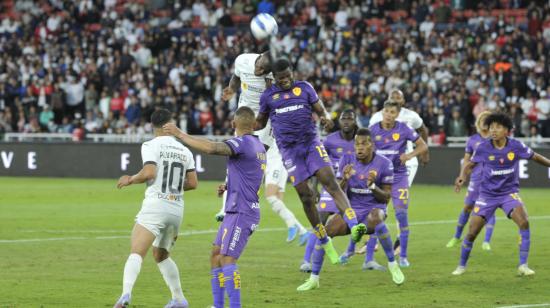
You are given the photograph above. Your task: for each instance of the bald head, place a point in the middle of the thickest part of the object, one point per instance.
(397, 96)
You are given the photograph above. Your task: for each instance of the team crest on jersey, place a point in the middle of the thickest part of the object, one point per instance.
(511, 155)
(297, 91)
(476, 209)
(323, 205)
(339, 150)
(292, 179)
(373, 172)
(244, 86)
(276, 96)
(491, 157)
(395, 136)
(378, 138)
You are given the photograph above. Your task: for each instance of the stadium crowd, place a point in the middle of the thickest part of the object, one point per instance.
(104, 66)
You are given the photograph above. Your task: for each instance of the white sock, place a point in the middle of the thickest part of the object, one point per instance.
(131, 272)
(279, 207)
(314, 277)
(171, 274)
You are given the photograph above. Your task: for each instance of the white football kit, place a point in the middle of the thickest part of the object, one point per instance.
(252, 87)
(412, 119)
(162, 208)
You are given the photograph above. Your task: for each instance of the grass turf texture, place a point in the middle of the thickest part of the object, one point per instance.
(82, 229)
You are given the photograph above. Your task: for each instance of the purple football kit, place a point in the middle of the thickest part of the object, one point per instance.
(245, 173)
(499, 180)
(336, 147)
(290, 112)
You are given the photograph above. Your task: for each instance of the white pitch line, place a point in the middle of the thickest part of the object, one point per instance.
(525, 306)
(200, 232)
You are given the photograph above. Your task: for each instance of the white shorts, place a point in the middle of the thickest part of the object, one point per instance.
(275, 172)
(266, 135)
(164, 226)
(412, 167)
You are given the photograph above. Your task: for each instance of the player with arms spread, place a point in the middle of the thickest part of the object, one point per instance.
(252, 75)
(246, 165)
(290, 104)
(168, 169)
(499, 186)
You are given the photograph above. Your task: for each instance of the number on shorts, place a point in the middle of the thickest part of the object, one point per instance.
(168, 181)
(515, 196)
(321, 150)
(403, 194)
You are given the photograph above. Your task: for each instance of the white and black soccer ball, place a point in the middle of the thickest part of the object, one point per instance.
(263, 25)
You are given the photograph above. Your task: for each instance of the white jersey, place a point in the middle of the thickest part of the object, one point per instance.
(406, 116)
(164, 194)
(252, 86)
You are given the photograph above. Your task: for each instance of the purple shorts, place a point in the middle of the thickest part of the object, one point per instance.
(363, 212)
(486, 205)
(303, 160)
(400, 191)
(326, 204)
(234, 233)
(472, 194)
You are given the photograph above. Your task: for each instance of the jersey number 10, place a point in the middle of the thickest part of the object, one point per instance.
(169, 180)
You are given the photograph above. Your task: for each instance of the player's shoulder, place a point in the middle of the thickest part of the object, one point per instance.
(404, 125)
(303, 84)
(409, 112)
(332, 136)
(515, 143)
(245, 58)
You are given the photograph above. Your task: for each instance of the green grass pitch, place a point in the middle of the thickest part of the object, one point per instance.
(63, 243)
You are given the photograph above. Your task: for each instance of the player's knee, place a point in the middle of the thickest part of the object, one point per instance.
(523, 224)
(160, 254)
(308, 198)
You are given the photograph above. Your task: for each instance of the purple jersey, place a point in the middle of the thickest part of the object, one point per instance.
(392, 143)
(360, 196)
(471, 147)
(336, 147)
(500, 172)
(245, 171)
(290, 113)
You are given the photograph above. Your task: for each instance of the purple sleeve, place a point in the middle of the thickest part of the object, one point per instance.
(236, 145)
(469, 146)
(524, 152)
(386, 175)
(264, 100)
(412, 135)
(479, 155)
(312, 96)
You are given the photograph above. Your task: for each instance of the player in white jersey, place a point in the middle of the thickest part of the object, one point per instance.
(252, 75)
(412, 119)
(168, 170)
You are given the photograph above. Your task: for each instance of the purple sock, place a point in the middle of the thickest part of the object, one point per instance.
(385, 240)
(465, 253)
(321, 233)
(351, 247)
(524, 246)
(489, 227)
(371, 243)
(309, 247)
(232, 282)
(318, 257)
(217, 286)
(462, 220)
(350, 218)
(403, 219)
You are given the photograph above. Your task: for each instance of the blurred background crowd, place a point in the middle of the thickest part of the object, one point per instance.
(104, 66)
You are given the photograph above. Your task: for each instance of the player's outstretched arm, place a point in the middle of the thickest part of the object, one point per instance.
(197, 143)
(191, 181)
(421, 149)
(324, 116)
(148, 172)
(541, 159)
(229, 91)
(261, 121)
(465, 172)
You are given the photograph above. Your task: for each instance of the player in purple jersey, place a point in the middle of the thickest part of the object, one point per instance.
(390, 139)
(366, 178)
(336, 144)
(473, 187)
(499, 186)
(246, 165)
(290, 105)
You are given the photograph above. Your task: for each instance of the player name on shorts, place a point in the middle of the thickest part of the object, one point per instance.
(503, 172)
(172, 155)
(169, 197)
(289, 109)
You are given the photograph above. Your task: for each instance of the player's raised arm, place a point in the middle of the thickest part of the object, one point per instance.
(148, 172)
(324, 116)
(198, 143)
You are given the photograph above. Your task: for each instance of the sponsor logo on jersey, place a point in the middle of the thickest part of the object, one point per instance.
(289, 108)
(169, 197)
(511, 156)
(297, 91)
(395, 136)
(503, 171)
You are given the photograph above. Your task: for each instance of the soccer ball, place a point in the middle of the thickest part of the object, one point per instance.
(263, 25)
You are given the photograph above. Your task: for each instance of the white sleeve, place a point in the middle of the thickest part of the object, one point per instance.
(148, 154)
(237, 65)
(416, 120)
(376, 118)
(190, 161)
